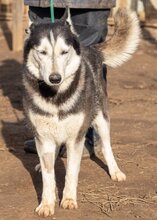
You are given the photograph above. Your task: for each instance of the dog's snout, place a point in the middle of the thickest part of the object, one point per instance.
(55, 78)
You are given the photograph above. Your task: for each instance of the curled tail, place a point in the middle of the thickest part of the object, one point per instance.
(124, 41)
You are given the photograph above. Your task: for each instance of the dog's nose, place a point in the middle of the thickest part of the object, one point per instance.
(55, 78)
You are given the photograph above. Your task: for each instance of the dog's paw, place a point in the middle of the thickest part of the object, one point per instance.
(118, 175)
(69, 204)
(38, 168)
(45, 210)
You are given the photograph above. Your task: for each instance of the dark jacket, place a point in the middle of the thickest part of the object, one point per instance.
(94, 4)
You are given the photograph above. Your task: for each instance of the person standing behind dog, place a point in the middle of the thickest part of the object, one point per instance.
(90, 22)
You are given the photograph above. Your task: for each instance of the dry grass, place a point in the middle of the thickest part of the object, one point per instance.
(108, 202)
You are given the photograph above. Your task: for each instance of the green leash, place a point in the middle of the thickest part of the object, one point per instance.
(52, 11)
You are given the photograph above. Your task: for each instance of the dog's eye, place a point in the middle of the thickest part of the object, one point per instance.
(64, 52)
(43, 52)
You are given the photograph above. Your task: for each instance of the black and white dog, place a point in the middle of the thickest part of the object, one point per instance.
(65, 94)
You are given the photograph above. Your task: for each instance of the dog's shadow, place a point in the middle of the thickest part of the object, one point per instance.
(15, 133)
(100, 163)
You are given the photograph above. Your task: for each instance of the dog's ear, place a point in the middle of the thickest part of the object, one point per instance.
(65, 15)
(30, 28)
(67, 20)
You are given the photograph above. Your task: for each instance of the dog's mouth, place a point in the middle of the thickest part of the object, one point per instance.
(50, 85)
(40, 82)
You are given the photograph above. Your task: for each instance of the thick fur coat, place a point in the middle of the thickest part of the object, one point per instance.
(65, 94)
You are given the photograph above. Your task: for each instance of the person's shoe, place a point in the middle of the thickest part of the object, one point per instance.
(29, 146)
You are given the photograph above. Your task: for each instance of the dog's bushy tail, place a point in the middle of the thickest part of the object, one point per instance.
(124, 41)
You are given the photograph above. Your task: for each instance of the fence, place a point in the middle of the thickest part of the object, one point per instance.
(13, 13)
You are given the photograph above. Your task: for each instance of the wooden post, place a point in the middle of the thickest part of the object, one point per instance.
(17, 25)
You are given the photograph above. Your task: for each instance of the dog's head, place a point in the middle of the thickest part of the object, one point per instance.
(52, 51)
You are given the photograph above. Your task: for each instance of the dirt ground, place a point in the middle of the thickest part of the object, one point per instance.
(132, 91)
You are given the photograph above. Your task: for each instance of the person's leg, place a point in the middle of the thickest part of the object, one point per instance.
(42, 15)
(91, 26)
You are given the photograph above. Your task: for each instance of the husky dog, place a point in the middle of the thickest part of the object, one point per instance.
(65, 94)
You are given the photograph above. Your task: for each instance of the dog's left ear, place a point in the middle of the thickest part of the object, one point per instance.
(28, 30)
(67, 20)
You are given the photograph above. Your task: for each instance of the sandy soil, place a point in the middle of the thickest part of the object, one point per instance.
(132, 91)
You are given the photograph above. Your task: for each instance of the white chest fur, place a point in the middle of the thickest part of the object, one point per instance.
(56, 129)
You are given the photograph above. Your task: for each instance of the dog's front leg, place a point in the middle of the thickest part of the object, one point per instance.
(74, 154)
(46, 153)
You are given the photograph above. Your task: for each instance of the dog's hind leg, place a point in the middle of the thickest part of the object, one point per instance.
(46, 152)
(102, 126)
(74, 154)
